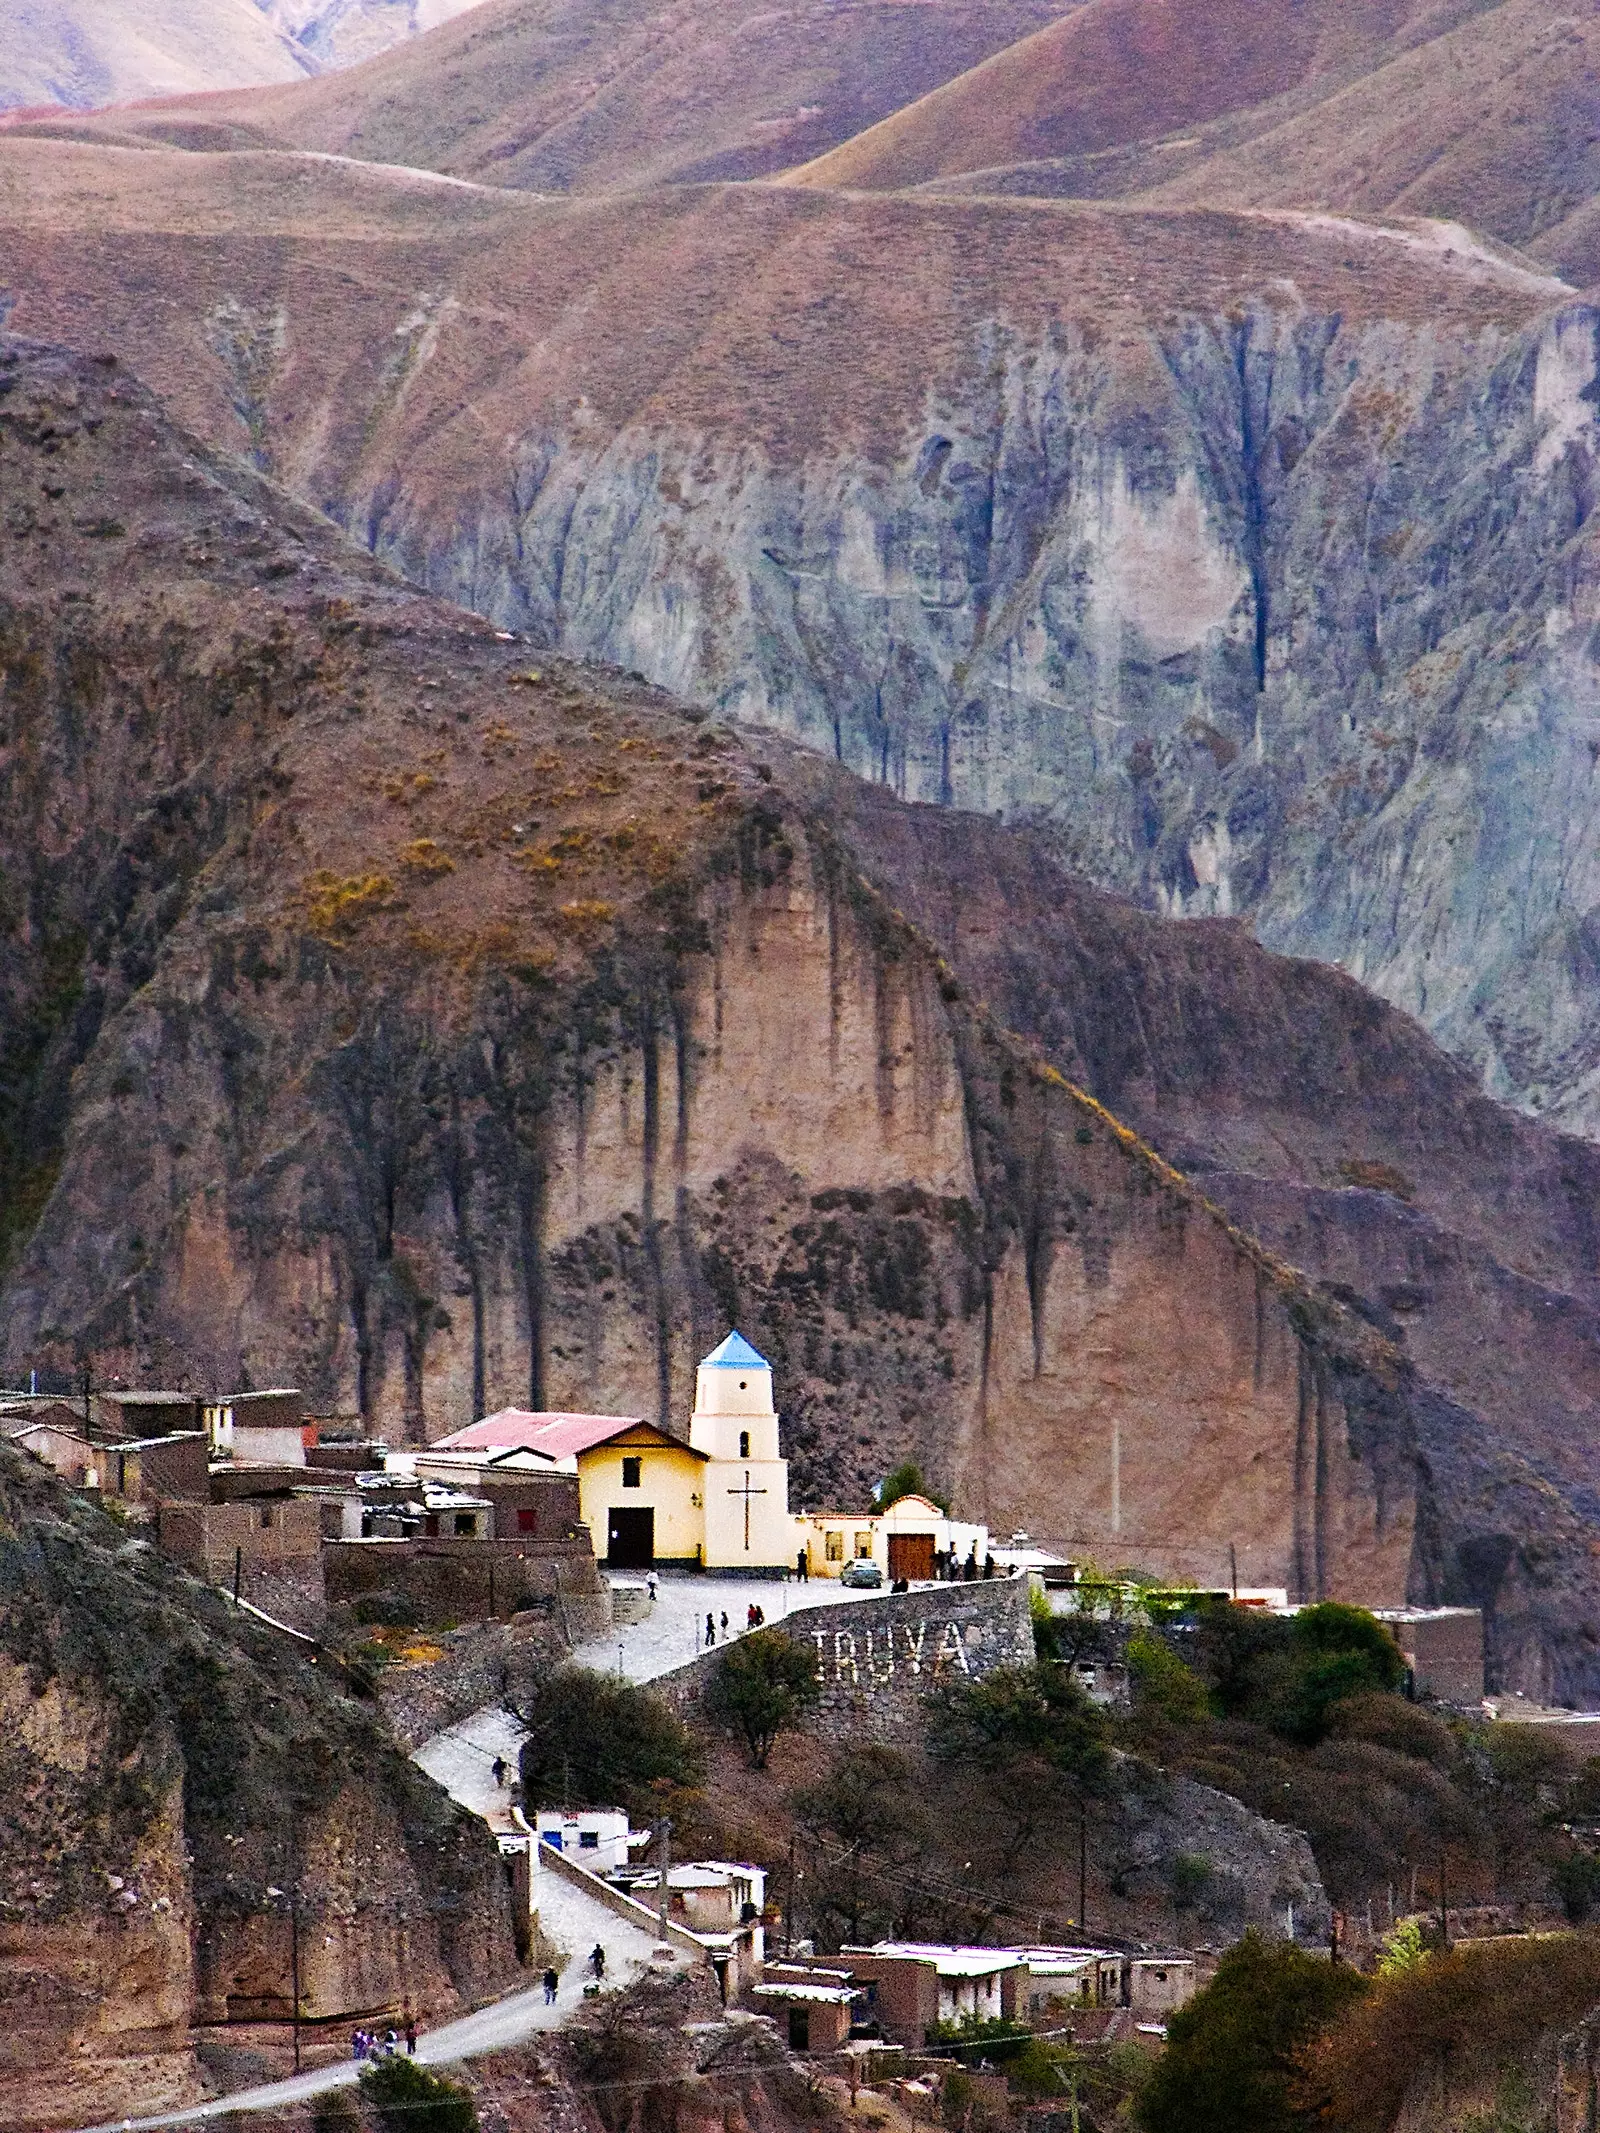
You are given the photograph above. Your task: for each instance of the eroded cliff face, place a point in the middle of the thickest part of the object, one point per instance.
(174, 1778)
(1251, 552)
(1271, 616)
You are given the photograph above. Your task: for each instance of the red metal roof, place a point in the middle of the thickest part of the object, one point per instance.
(557, 1436)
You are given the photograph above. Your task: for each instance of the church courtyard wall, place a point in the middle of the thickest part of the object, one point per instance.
(878, 1658)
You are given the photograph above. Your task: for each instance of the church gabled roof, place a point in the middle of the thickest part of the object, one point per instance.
(735, 1353)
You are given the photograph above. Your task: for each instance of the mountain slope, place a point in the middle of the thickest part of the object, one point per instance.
(63, 52)
(1118, 72)
(83, 53)
(1253, 554)
(586, 95)
(441, 1030)
(172, 1774)
(1477, 112)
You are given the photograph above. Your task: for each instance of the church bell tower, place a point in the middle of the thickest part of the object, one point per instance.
(746, 1481)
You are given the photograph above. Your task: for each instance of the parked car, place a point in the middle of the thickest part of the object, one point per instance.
(863, 1573)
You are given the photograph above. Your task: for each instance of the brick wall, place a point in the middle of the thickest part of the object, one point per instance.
(876, 1660)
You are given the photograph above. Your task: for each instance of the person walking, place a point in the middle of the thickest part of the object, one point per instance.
(802, 1567)
(411, 2036)
(711, 1629)
(651, 1585)
(498, 1766)
(597, 1960)
(391, 2041)
(724, 1625)
(550, 1982)
(750, 1616)
(358, 2045)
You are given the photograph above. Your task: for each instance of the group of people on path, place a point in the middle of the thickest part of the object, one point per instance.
(754, 1618)
(368, 2044)
(552, 1977)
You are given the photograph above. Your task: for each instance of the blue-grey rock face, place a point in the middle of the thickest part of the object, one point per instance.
(1283, 618)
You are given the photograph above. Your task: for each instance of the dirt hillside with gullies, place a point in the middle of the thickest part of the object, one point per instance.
(597, 95)
(398, 1011)
(1252, 554)
(173, 1776)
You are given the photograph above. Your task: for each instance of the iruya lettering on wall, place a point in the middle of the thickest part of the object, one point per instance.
(875, 1666)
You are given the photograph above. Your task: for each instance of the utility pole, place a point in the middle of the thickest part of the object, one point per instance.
(238, 1573)
(788, 1909)
(1233, 1567)
(1083, 1865)
(664, 1844)
(1444, 1906)
(294, 1970)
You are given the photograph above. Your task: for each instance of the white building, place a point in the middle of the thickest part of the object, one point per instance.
(597, 1837)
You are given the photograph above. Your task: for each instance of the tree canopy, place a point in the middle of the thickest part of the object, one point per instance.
(1233, 2054)
(596, 1742)
(763, 1686)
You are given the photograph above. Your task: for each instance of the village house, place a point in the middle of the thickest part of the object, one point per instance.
(140, 1414)
(264, 1428)
(597, 1837)
(911, 1985)
(814, 2006)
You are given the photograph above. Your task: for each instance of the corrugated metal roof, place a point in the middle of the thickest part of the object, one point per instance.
(556, 1435)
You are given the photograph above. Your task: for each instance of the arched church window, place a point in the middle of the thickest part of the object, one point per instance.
(744, 1444)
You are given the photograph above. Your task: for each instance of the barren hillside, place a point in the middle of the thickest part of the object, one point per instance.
(590, 95)
(1479, 112)
(83, 53)
(1250, 554)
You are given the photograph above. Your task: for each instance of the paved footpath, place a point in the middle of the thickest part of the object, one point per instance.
(674, 1631)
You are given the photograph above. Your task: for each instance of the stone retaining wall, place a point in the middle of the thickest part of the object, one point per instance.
(876, 1661)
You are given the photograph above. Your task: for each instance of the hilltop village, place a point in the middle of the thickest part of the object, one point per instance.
(466, 1586)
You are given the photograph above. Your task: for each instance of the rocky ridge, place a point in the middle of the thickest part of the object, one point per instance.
(174, 1777)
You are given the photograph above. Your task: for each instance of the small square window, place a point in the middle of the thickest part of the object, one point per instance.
(466, 1525)
(527, 1521)
(835, 1547)
(630, 1473)
(864, 1545)
(588, 1840)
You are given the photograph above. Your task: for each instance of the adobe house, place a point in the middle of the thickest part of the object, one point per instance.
(529, 1496)
(1443, 1647)
(814, 2010)
(911, 1985)
(54, 1433)
(119, 1415)
(264, 1428)
(155, 1470)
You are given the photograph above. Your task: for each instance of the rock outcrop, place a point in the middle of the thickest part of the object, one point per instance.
(181, 1789)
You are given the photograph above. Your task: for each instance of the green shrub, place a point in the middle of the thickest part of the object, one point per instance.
(408, 2099)
(1162, 1682)
(597, 1742)
(764, 1686)
(1232, 2055)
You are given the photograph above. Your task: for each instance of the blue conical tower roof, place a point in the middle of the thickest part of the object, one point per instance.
(735, 1353)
